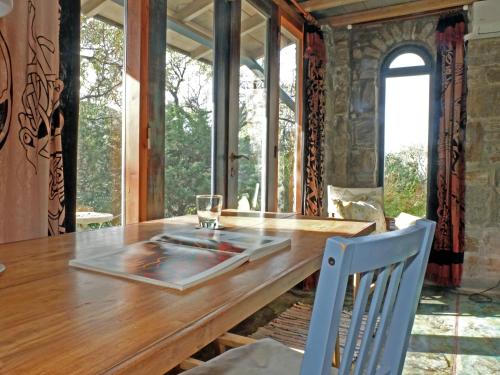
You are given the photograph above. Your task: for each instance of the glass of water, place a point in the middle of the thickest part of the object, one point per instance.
(208, 208)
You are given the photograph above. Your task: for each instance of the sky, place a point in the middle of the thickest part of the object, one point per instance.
(406, 112)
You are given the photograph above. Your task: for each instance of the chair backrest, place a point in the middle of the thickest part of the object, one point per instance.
(400, 257)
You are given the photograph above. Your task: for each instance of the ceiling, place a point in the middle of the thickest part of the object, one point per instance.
(190, 26)
(324, 8)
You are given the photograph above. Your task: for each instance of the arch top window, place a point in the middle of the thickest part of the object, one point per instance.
(406, 60)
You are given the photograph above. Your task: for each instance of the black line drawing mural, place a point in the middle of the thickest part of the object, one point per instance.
(42, 121)
(5, 91)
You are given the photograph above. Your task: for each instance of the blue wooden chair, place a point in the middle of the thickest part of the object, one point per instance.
(400, 257)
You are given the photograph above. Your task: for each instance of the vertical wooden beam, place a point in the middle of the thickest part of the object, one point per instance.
(298, 33)
(69, 42)
(145, 110)
(227, 26)
(270, 190)
(155, 109)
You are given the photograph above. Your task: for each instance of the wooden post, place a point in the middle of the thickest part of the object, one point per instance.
(227, 26)
(69, 44)
(145, 110)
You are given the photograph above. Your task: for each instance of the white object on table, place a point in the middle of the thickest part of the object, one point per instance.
(5, 7)
(2, 268)
(84, 218)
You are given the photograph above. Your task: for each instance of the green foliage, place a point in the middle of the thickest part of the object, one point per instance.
(405, 182)
(187, 158)
(99, 131)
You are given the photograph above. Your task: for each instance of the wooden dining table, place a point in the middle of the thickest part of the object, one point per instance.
(55, 319)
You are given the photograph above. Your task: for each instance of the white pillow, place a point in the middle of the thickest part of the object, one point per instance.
(404, 220)
(361, 210)
(354, 195)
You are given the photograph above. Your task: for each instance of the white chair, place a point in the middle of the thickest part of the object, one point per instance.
(401, 261)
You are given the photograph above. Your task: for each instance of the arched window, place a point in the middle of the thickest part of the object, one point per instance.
(405, 83)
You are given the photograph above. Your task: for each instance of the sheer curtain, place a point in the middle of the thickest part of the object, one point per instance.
(31, 165)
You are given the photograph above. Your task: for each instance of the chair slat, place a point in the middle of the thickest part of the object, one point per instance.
(376, 302)
(386, 316)
(356, 320)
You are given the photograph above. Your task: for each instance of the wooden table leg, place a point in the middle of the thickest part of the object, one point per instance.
(336, 353)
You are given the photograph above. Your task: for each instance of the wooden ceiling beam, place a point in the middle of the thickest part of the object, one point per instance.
(393, 11)
(91, 7)
(194, 9)
(315, 5)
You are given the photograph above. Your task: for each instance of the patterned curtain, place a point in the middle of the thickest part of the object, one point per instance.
(314, 119)
(314, 126)
(31, 166)
(445, 263)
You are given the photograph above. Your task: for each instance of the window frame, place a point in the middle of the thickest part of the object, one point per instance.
(386, 72)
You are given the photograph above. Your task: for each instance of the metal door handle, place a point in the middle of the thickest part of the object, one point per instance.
(234, 157)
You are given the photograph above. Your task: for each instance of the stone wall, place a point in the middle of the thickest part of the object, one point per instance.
(355, 58)
(482, 195)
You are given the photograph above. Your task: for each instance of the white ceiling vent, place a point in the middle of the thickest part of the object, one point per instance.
(485, 20)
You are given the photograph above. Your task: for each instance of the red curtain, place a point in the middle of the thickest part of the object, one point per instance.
(314, 126)
(445, 263)
(314, 119)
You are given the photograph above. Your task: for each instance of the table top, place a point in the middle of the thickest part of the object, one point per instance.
(59, 320)
(84, 217)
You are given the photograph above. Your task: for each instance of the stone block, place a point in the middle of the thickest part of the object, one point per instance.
(484, 101)
(483, 51)
(493, 73)
(479, 205)
(364, 132)
(363, 96)
(368, 68)
(474, 136)
(476, 76)
(478, 177)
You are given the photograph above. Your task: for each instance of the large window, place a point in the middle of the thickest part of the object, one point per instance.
(189, 104)
(99, 163)
(252, 105)
(405, 86)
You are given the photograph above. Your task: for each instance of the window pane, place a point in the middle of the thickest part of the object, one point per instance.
(99, 164)
(253, 97)
(287, 123)
(406, 60)
(406, 139)
(189, 107)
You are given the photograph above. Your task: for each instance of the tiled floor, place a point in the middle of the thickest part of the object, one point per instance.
(454, 335)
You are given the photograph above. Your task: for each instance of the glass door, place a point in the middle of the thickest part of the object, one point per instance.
(189, 104)
(252, 127)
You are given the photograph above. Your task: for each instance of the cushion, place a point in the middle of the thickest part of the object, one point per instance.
(265, 356)
(354, 195)
(361, 210)
(404, 220)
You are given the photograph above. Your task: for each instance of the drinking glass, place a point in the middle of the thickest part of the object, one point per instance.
(208, 208)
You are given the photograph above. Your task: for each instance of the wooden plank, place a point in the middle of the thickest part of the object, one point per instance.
(91, 7)
(231, 340)
(132, 135)
(190, 363)
(154, 109)
(290, 13)
(54, 317)
(315, 5)
(393, 11)
(194, 9)
(145, 110)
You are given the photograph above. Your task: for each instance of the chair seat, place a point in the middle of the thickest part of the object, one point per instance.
(265, 356)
